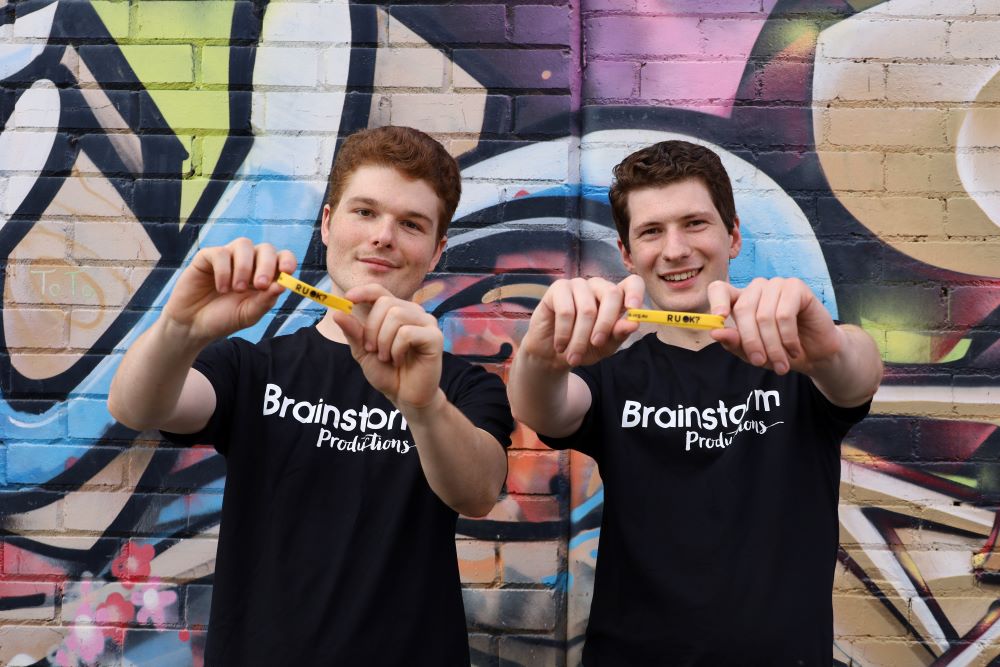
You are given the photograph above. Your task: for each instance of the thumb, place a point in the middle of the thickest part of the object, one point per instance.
(721, 297)
(353, 330)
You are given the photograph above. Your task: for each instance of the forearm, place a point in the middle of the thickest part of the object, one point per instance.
(851, 376)
(464, 465)
(146, 388)
(540, 396)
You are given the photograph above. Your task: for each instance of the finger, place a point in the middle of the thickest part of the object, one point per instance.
(416, 339)
(367, 293)
(767, 325)
(242, 258)
(634, 291)
(399, 314)
(622, 330)
(744, 313)
(374, 322)
(563, 313)
(585, 306)
(220, 261)
(611, 298)
(286, 263)
(787, 315)
(721, 297)
(265, 265)
(353, 331)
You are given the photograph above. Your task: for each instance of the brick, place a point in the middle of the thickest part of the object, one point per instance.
(197, 603)
(522, 68)
(481, 650)
(922, 172)
(311, 113)
(855, 170)
(38, 463)
(530, 650)
(188, 19)
(784, 81)
(939, 82)
(534, 472)
(694, 80)
(27, 601)
(610, 79)
(155, 63)
(972, 39)
(439, 112)
(702, 7)
(511, 609)
(966, 216)
(848, 81)
(474, 24)
(540, 24)
(642, 36)
(923, 216)
(732, 38)
(24, 562)
(31, 639)
(477, 561)
(410, 68)
(286, 67)
(526, 508)
(189, 109)
(917, 128)
(531, 562)
(542, 114)
(881, 38)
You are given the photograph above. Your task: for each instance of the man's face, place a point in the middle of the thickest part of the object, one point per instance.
(382, 231)
(678, 244)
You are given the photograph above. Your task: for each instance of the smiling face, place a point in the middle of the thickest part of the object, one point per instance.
(678, 243)
(383, 230)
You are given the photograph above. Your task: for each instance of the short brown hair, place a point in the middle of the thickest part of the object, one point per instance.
(665, 163)
(412, 152)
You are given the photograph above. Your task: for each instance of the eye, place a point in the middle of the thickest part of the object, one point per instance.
(648, 231)
(364, 212)
(697, 223)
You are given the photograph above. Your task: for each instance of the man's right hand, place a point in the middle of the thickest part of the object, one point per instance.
(579, 322)
(227, 288)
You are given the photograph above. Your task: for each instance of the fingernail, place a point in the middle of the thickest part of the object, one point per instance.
(573, 359)
(757, 359)
(597, 340)
(780, 368)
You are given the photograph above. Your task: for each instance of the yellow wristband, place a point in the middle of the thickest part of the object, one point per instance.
(676, 319)
(317, 295)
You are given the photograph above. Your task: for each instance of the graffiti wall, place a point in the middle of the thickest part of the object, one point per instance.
(863, 137)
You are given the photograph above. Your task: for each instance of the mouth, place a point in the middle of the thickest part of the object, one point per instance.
(378, 261)
(680, 276)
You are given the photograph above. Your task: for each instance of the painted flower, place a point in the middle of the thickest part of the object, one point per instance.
(152, 602)
(133, 563)
(85, 639)
(113, 613)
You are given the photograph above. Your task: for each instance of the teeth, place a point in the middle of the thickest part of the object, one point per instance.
(677, 277)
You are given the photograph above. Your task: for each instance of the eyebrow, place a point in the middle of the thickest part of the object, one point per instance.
(694, 215)
(374, 203)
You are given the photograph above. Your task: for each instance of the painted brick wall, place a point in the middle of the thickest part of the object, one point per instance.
(863, 141)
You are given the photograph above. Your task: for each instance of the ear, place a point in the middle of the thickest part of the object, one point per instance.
(626, 257)
(437, 253)
(735, 239)
(324, 225)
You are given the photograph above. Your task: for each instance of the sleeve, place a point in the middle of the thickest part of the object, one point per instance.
(840, 420)
(220, 364)
(587, 438)
(482, 398)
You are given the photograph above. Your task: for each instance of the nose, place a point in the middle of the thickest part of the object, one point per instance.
(675, 244)
(384, 232)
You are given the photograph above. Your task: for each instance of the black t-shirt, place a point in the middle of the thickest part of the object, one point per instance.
(719, 533)
(333, 549)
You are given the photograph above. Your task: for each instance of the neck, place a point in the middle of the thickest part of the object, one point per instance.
(689, 339)
(329, 329)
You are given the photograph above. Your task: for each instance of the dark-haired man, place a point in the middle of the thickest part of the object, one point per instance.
(350, 446)
(719, 450)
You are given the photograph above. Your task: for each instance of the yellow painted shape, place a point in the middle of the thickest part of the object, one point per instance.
(114, 14)
(215, 65)
(159, 65)
(184, 19)
(960, 479)
(908, 347)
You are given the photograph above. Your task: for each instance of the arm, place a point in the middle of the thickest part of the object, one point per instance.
(781, 325)
(577, 322)
(400, 348)
(225, 289)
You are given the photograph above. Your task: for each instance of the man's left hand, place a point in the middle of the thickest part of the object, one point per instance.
(398, 345)
(779, 324)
